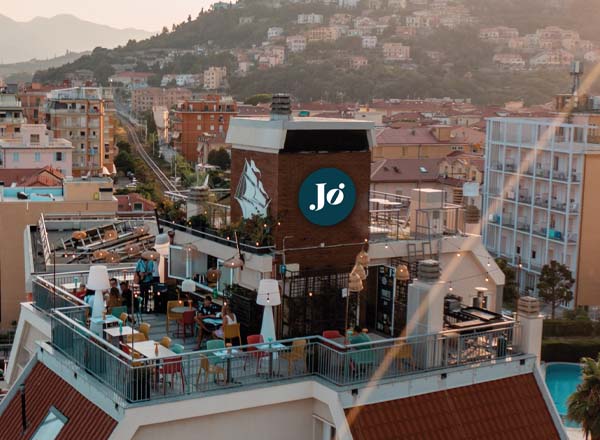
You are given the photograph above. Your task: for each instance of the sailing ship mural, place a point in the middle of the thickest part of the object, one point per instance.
(250, 193)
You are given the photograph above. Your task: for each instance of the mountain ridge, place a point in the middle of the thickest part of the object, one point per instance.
(23, 41)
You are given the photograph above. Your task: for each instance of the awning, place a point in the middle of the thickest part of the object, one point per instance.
(105, 171)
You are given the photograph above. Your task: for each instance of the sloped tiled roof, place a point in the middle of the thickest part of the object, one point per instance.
(46, 176)
(43, 390)
(511, 408)
(405, 170)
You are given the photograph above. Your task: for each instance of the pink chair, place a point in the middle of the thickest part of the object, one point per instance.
(254, 351)
(187, 319)
(332, 334)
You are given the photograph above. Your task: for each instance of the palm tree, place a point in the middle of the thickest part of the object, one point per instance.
(584, 403)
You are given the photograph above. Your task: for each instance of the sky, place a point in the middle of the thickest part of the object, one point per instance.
(150, 15)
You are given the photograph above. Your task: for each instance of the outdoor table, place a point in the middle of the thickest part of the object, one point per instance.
(213, 321)
(146, 349)
(119, 332)
(181, 309)
(97, 324)
(228, 354)
(271, 348)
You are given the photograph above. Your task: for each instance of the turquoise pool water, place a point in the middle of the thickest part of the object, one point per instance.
(562, 380)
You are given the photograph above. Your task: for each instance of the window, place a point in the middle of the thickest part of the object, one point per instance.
(212, 128)
(37, 157)
(51, 426)
(457, 148)
(519, 250)
(137, 206)
(15, 157)
(533, 254)
(34, 138)
(555, 163)
(58, 156)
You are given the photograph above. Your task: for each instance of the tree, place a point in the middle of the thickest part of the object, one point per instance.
(124, 162)
(511, 289)
(555, 283)
(219, 158)
(258, 99)
(583, 405)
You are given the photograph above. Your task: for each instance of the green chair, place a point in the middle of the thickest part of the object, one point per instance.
(214, 344)
(116, 311)
(177, 348)
(363, 357)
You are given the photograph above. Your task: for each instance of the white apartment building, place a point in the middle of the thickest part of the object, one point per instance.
(296, 43)
(274, 32)
(540, 198)
(310, 19)
(214, 77)
(369, 41)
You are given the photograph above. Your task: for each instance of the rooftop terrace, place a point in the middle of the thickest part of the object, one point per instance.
(148, 378)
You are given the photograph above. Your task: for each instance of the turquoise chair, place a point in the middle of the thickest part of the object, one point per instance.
(214, 344)
(116, 311)
(177, 348)
(363, 357)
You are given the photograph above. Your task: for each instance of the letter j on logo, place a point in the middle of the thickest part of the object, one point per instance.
(327, 196)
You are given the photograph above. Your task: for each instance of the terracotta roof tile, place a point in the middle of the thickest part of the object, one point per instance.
(507, 408)
(44, 389)
(405, 170)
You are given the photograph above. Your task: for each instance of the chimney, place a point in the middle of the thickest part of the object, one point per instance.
(281, 107)
(531, 323)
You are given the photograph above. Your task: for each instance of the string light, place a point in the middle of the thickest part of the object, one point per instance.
(488, 263)
(310, 294)
(487, 277)
(458, 254)
(450, 289)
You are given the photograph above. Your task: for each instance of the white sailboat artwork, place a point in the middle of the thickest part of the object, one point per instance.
(250, 192)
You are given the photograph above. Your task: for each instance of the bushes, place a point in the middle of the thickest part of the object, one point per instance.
(566, 328)
(569, 349)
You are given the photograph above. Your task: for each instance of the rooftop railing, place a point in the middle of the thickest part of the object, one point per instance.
(137, 380)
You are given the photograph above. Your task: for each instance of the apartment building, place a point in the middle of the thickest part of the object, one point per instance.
(310, 19)
(215, 78)
(195, 125)
(35, 147)
(143, 100)
(357, 62)
(323, 33)
(396, 52)
(33, 100)
(369, 41)
(131, 80)
(540, 198)
(85, 116)
(274, 32)
(296, 43)
(11, 114)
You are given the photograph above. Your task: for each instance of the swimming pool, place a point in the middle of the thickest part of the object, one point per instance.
(562, 380)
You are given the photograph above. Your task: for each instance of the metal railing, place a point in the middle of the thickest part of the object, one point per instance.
(190, 374)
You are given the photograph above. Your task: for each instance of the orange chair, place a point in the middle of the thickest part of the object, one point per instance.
(187, 319)
(170, 315)
(297, 353)
(232, 331)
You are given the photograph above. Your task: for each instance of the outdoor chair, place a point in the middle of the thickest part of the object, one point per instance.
(232, 331)
(165, 342)
(138, 337)
(172, 367)
(254, 351)
(209, 368)
(177, 348)
(332, 334)
(116, 311)
(362, 358)
(297, 353)
(186, 320)
(145, 329)
(170, 315)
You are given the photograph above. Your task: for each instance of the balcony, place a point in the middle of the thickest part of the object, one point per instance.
(508, 220)
(542, 173)
(558, 205)
(523, 226)
(540, 201)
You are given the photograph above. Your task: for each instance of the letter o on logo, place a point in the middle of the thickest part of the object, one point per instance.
(327, 196)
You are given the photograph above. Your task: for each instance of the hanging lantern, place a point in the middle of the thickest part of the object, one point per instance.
(79, 235)
(111, 234)
(100, 254)
(472, 214)
(362, 258)
(360, 271)
(402, 273)
(141, 230)
(190, 247)
(355, 284)
(213, 275)
(132, 249)
(150, 255)
(113, 257)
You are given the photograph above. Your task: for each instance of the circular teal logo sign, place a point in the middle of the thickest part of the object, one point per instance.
(327, 196)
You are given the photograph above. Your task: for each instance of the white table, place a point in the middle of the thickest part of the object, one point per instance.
(114, 332)
(272, 348)
(146, 349)
(228, 354)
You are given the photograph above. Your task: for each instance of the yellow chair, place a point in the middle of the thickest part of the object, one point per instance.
(297, 353)
(138, 337)
(170, 315)
(401, 352)
(145, 329)
(123, 317)
(165, 342)
(208, 369)
(232, 331)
